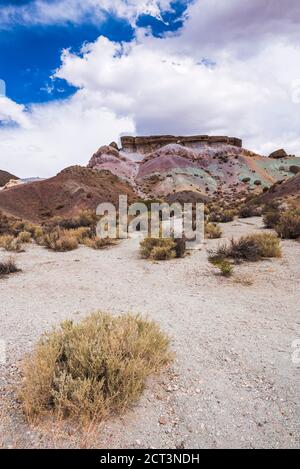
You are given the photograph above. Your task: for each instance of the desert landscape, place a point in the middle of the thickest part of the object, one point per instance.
(232, 316)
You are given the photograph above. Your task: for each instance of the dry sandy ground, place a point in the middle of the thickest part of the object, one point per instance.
(233, 383)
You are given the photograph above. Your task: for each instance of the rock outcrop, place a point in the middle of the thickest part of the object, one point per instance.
(167, 167)
(278, 154)
(146, 145)
(5, 177)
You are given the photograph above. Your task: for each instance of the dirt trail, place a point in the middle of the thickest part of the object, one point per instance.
(233, 383)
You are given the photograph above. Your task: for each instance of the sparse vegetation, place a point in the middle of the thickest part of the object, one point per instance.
(250, 248)
(160, 249)
(11, 244)
(8, 267)
(24, 237)
(225, 267)
(98, 243)
(92, 369)
(249, 210)
(59, 240)
(213, 231)
(288, 226)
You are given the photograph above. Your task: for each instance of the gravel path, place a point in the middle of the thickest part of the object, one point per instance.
(233, 383)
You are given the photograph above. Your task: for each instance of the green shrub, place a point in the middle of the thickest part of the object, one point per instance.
(93, 369)
(225, 267)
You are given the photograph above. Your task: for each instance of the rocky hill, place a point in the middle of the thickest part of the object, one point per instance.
(75, 188)
(283, 191)
(201, 167)
(5, 177)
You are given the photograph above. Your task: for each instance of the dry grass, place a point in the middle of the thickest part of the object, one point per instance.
(213, 231)
(10, 243)
(24, 237)
(99, 243)
(59, 240)
(92, 369)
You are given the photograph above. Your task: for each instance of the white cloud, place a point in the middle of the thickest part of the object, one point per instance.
(78, 11)
(160, 85)
(59, 135)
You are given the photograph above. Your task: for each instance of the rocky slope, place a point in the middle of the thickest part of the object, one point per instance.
(73, 189)
(5, 177)
(200, 167)
(283, 191)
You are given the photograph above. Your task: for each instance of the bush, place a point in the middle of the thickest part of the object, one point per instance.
(93, 369)
(288, 226)
(271, 217)
(248, 211)
(213, 231)
(98, 243)
(224, 216)
(11, 244)
(158, 248)
(24, 237)
(225, 267)
(250, 248)
(85, 218)
(8, 267)
(59, 240)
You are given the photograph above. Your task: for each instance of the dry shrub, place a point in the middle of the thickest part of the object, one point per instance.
(24, 237)
(271, 217)
(250, 248)
(248, 211)
(160, 249)
(213, 231)
(288, 226)
(59, 240)
(85, 218)
(98, 243)
(8, 267)
(222, 216)
(11, 244)
(92, 369)
(81, 234)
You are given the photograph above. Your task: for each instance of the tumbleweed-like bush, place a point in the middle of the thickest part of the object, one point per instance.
(92, 369)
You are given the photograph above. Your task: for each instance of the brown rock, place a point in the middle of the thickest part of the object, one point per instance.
(279, 154)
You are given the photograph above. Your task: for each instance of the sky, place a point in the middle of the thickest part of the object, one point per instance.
(80, 74)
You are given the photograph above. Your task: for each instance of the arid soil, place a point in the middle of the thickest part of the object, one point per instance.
(233, 383)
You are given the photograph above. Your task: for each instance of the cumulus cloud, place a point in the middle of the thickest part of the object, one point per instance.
(58, 135)
(78, 11)
(228, 71)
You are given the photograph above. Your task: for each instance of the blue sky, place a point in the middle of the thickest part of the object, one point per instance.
(30, 53)
(81, 73)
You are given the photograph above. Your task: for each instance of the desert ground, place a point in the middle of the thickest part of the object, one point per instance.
(233, 383)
